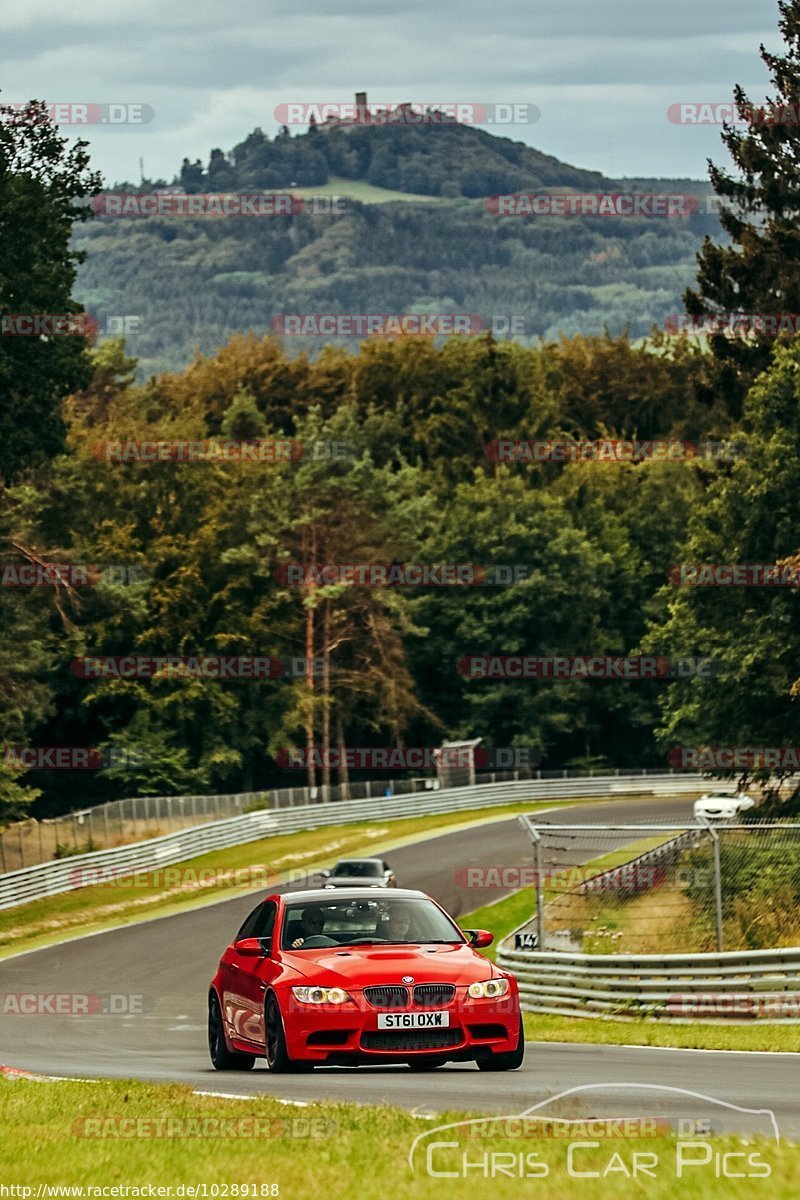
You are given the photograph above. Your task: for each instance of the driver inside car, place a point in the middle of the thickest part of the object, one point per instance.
(396, 926)
(312, 923)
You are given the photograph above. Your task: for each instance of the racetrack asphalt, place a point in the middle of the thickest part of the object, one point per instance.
(170, 960)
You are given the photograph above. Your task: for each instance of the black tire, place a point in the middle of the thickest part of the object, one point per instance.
(222, 1058)
(275, 1051)
(505, 1062)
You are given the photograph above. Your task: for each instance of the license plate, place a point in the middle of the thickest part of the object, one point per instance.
(414, 1020)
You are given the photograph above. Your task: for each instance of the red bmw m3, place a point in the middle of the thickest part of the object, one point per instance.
(315, 978)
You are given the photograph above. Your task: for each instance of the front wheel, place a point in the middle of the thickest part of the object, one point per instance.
(276, 1054)
(222, 1058)
(505, 1062)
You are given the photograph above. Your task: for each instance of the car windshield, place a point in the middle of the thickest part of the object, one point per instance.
(357, 868)
(347, 922)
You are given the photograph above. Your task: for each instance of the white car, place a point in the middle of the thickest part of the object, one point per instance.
(722, 806)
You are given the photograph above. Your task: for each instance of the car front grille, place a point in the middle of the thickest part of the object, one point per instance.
(411, 1039)
(433, 995)
(391, 996)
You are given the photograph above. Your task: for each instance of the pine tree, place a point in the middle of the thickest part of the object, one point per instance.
(43, 189)
(759, 272)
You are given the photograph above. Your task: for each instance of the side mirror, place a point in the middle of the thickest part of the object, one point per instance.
(325, 874)
(479, 937)
(252, 947)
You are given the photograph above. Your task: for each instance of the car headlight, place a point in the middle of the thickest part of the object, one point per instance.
(321, 995)
(488, 989)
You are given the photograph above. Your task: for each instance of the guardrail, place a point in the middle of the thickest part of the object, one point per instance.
(670, 987)
(729, 985)
(67, 874)
(121, 822)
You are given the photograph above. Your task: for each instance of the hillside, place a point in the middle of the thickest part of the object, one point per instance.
(414, 237)
(448, 160)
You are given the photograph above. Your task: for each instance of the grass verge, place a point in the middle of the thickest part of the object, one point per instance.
(754, 1036)
(72, 1134)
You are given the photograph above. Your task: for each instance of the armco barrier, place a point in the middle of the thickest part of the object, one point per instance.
(67, 874)
(63, 875)
(27, 842)
(736, 985)
(731, 985)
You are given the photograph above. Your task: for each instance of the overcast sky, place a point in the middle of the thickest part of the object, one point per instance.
(602, 72)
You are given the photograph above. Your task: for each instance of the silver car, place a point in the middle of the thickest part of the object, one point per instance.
(360, 872)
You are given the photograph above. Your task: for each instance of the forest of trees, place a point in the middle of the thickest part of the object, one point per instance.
(192, 282)
(207, 540)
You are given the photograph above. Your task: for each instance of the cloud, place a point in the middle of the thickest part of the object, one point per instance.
(602, 73)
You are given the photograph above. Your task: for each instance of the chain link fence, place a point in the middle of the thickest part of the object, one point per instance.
(120, 822)
(661, 889)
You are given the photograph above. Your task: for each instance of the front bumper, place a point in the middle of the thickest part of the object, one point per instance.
(334, 1033)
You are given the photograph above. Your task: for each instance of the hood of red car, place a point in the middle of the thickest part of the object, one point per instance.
(364, 966)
